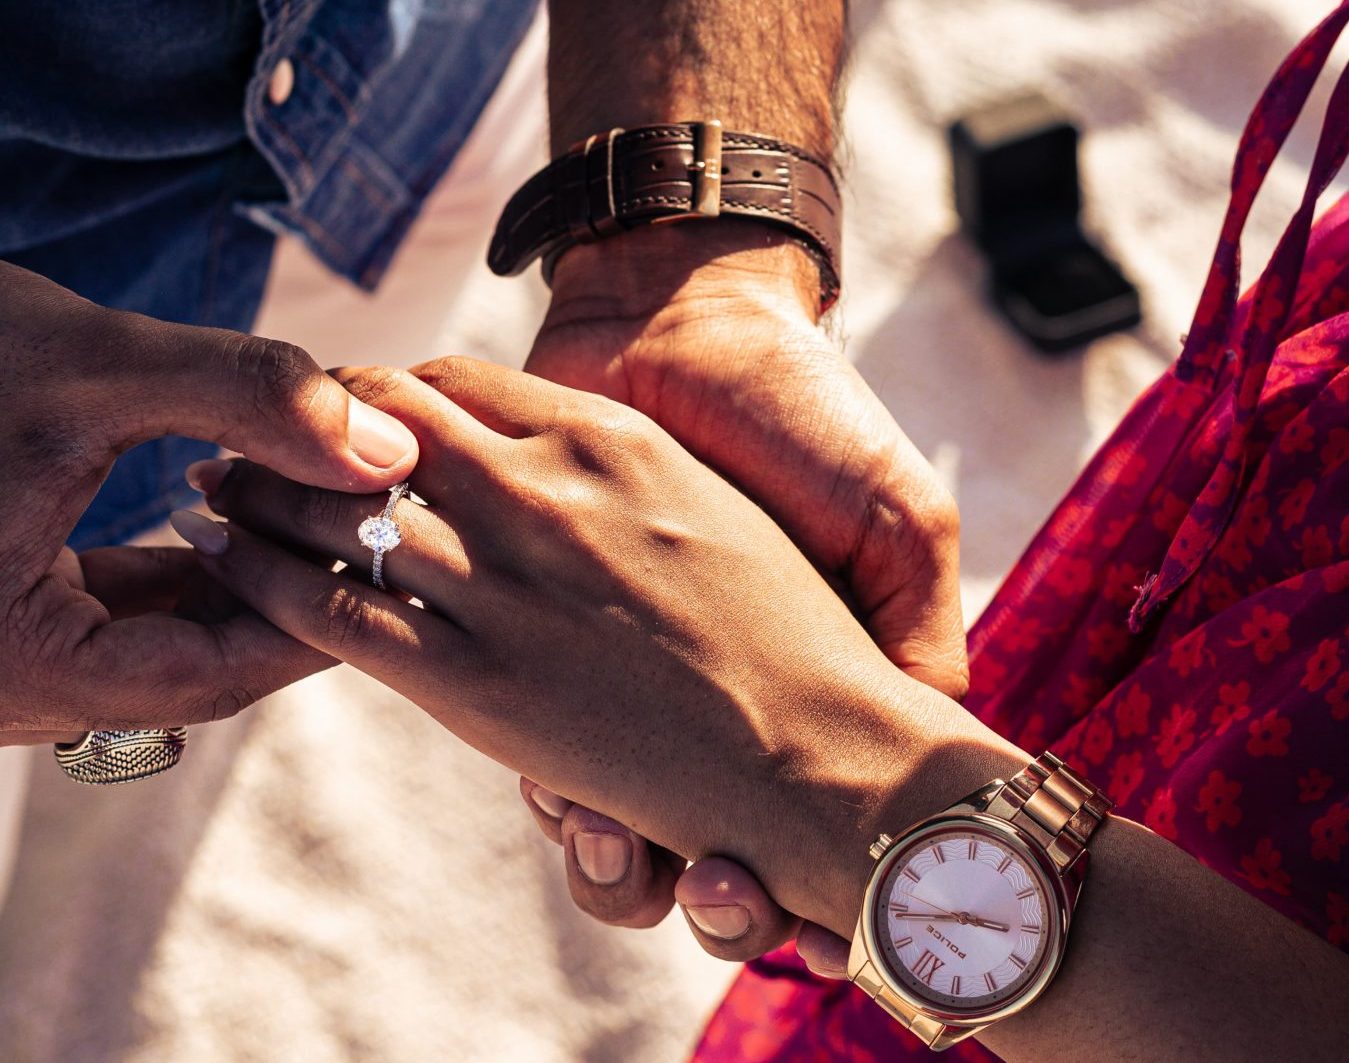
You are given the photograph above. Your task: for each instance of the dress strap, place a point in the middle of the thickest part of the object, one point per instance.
(1271, 120)
(1209, 343)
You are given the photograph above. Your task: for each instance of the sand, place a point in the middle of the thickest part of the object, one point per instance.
(331, 876)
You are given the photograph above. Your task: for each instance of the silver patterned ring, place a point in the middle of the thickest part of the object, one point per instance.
(103, 758)
(381, 534)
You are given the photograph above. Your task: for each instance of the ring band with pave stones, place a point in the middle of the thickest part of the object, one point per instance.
(381, 534)
(102, 758)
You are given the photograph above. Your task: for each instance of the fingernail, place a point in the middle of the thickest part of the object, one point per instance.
(603, 858)
(207, 475)
(550, 803)
(724, 921)
(201, 532)
(376, 437)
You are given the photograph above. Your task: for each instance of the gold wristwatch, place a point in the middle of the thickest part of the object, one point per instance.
(966, 914)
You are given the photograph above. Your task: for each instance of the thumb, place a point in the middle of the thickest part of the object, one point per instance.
(266, 399)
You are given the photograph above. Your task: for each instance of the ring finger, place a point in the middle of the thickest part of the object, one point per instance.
(428, 560)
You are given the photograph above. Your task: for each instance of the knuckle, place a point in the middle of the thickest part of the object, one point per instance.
(75, 459)
(606, 438)
(283, 378)
(942, 515)
(230, 702)
(915, 515)
(318, 512)
(345, 618)
(376, 385)
(44, 625)
(446, 375)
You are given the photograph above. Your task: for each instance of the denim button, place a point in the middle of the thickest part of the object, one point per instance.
(282, 82)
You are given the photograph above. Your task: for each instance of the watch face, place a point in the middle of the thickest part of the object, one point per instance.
(963, 919)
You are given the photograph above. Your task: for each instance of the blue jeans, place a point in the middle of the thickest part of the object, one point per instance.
(148, 162)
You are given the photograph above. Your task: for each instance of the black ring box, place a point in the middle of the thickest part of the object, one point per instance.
(1019, 199)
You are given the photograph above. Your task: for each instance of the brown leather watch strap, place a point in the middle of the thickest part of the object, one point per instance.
(620, 179)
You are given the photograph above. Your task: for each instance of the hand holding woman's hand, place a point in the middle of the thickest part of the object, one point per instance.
(710, 331)
(712, 334)
(612, 619)
(86, 643)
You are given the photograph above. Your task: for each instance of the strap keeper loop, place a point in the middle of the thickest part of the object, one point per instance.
(705, 172)
(593, 210)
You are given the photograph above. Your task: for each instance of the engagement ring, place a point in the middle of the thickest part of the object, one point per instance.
(381, 534)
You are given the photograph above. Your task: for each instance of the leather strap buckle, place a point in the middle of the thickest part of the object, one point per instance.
(672, 172)
(704, 174)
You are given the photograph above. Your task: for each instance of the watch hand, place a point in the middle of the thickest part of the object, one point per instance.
(924, 900)
(928, 915)
(960, 917)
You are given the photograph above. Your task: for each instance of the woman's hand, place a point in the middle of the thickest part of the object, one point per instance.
(85, 646)
(612, 619)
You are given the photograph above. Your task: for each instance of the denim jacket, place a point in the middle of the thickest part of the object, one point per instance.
(150, 150)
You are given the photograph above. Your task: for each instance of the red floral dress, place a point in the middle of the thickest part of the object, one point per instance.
(1179, 629)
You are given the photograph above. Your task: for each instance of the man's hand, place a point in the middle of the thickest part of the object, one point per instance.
(87, 643)
(710, 330)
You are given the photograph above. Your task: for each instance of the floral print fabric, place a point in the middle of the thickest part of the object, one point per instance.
(1179, 629)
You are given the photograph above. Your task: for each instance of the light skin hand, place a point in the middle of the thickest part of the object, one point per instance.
(784, 738)
(529, 473)
(727, 358)
(709, 329)
(91, 642)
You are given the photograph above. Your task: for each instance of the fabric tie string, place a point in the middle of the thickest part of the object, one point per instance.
(1208, 344)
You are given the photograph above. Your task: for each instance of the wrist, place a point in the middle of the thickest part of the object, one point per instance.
(919, 753)
(640, 273)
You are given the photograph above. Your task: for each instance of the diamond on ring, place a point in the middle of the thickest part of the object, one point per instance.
(381, 534)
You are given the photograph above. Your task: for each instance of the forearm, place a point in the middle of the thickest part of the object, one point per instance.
(764, 66)
(1166, 959)
(761, 66)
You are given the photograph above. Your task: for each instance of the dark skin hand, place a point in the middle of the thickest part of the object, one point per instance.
(92, 641)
